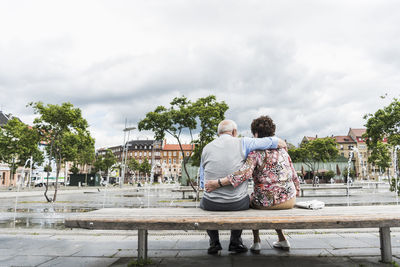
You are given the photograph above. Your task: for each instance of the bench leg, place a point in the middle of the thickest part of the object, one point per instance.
(142, 244)
(386, 246)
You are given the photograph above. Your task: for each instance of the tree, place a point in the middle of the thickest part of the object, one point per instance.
(63, 129)
(133, 165)
(384, 124)
(315, 151)
(105, 162)
(210, 113)
(182, 117)
(380, 156)
(145, 167)
(18, 143)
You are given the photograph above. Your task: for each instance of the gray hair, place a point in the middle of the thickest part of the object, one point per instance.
(226, 126)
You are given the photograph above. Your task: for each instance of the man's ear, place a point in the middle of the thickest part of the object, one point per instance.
(234, 132)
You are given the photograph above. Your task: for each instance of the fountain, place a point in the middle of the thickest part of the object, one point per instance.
(349, 179)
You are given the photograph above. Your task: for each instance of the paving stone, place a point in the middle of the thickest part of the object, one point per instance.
(355, 252)
(96, 251)
(7, 252)
(310, 241)
(25, 260)
(80, 261)
(370, 261)
(198, 261)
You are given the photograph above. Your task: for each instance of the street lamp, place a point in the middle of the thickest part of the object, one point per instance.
(125, 150)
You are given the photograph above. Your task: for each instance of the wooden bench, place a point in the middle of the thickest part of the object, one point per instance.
(382, 217)
(185, 190)
(318, 188)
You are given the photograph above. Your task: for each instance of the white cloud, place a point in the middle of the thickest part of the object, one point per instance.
(314, 67)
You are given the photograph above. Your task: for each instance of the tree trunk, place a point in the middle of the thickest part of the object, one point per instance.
(57, 174)
(186, 171)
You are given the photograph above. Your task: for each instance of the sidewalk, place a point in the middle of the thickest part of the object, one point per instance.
(32, 247)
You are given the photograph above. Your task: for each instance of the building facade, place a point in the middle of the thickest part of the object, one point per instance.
(354, 141)
(172, 159)
(166, 159)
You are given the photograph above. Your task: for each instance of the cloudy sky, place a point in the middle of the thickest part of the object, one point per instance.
(316, 67)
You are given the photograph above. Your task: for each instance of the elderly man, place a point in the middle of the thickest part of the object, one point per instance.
(223, 156)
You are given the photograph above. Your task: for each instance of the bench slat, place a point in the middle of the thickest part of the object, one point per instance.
(197, 219)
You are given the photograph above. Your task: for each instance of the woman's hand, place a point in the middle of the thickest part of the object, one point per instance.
(211, 185)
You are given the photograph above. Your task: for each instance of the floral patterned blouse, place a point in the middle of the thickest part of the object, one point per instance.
(275, 179)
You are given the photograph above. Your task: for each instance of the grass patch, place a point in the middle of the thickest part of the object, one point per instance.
(140, 262)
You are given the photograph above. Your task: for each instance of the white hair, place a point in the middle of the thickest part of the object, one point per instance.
(226, 126)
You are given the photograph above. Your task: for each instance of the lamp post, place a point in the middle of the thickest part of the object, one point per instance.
(125, 150)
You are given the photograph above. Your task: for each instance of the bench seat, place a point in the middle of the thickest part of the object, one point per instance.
(382, 217)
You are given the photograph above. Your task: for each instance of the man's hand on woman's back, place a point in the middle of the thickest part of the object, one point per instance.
(282, 144)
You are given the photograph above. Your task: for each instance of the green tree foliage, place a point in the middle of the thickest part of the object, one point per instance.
(65, 132)
(383, 124)
(19, 142)
(314, 152)
(183, 116)
(380, 155)
(145, 167)
(345, 171)
(105, 162)
(133, 165)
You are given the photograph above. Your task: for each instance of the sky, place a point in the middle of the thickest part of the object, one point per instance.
(315, 67)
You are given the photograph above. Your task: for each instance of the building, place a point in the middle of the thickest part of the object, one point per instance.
(166, 159)
(344, 144)
(172, 159)
(354, 141)
(146, 149)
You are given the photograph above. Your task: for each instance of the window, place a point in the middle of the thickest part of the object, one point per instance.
(169, 161)
(140, 153)
(165, 161)
(135, 154)
(149, 154)
(145, 153)
(174, 161)
(341, 147)
(187, 154)
(169, 153)
(174, 153)
(135, 147)
(165, 153)
(140, 161)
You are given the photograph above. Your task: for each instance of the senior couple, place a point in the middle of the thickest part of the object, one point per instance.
(228, 162)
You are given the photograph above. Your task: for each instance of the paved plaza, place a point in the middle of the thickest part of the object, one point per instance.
(32, 233)
(22, 247)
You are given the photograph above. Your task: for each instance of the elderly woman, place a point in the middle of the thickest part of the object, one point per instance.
(276, 184)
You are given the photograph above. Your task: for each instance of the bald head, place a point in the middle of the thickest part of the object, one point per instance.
(227, 127)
